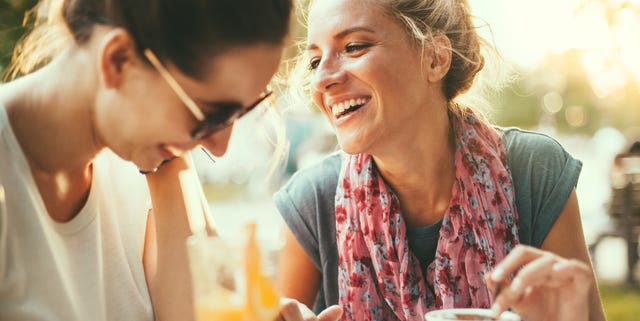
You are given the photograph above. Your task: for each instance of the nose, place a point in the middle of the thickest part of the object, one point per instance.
(218, 143)
(328, 74)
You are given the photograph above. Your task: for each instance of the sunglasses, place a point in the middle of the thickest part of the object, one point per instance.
(208, 124)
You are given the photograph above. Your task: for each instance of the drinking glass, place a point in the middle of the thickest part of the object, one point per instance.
(233, 281)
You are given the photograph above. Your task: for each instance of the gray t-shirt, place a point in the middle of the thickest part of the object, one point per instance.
(543, 173)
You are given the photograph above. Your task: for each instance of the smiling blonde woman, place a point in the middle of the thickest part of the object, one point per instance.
(428, 206)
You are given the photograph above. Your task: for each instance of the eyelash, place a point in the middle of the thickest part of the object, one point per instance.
(352, 47)
(313, 64)
(349, 49)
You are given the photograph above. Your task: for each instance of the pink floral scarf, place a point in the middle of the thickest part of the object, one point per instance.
(380, 278)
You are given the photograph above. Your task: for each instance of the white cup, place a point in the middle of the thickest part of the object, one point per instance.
(469, 315)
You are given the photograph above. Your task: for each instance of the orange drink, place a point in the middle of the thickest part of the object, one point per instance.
(219, 307)
(229, 280)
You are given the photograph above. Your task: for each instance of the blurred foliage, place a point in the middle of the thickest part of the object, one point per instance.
(582, 90)
(579, 109)
(620, 303)
(11, 29)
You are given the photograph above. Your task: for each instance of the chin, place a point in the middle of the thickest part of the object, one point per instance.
(146, 169)
(147, 166)
(349, 147)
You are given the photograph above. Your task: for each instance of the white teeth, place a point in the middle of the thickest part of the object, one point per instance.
(340, 107)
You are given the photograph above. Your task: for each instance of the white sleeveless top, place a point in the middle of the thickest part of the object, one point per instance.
(89, 268)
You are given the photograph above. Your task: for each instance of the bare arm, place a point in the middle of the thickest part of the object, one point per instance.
(298, 277)
(566, 239)
(165, 258)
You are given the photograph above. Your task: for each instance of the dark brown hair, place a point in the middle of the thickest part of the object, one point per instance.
(185, 32)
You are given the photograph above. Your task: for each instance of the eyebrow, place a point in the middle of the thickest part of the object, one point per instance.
(344, 33)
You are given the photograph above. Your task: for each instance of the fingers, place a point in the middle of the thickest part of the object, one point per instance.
(292, 310)
(289, 310)
(520, 256)
(332, 313)
(535, 272)
(534, 268)
(572, 271)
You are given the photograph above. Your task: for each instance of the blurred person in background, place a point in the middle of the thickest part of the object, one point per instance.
(428, 205)
(624, 205)
(122, 87)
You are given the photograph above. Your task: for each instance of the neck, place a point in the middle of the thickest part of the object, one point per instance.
(421, 172)
(51, 113)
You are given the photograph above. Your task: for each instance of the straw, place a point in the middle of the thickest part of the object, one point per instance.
(1, 200)
(193, 202)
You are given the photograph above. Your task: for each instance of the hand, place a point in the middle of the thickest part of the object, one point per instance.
(545, 286)
(292, 310)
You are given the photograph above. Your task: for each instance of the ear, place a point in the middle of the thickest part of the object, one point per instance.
(438, 60)
(117, 53)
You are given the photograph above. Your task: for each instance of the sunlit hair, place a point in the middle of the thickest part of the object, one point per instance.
(48, 37)
(477, 69)
(185, 33)
(275, 134)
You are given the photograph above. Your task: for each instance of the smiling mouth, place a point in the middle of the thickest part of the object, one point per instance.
(341, 109)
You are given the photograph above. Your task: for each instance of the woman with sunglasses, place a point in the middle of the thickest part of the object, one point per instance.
(123, 87)
(428, 205)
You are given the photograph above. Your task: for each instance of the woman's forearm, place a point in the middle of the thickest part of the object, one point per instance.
(170, 287)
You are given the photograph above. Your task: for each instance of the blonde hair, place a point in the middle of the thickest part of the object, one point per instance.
(48, 35)
(464, 85)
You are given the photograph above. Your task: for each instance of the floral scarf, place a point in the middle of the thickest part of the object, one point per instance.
(379, 277)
